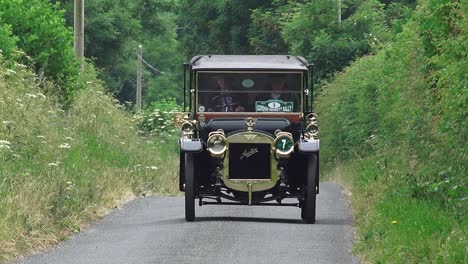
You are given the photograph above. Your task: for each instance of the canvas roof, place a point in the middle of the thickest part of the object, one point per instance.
(248, 62)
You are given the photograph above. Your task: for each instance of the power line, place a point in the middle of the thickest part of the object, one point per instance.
(152, 67)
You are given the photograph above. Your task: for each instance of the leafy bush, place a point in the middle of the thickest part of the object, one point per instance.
(7, 40)
(157, 118)
(38, 28)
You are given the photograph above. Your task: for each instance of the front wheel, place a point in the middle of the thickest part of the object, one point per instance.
(189, 188)
(309, 203)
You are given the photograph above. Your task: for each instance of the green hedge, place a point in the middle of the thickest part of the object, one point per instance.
(401, 114)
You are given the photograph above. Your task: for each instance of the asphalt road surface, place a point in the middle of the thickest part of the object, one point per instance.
(153, 230)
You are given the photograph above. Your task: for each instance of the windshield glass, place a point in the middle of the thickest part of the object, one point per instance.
(249, 92)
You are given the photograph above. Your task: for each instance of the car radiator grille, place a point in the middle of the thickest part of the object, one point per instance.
(249, 161)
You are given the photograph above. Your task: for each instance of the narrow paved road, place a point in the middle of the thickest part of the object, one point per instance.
(153, 230)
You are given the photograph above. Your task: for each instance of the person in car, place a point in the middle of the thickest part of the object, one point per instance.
(278, 91)
(225, 100)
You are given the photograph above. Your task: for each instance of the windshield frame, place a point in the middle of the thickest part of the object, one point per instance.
(300, 110)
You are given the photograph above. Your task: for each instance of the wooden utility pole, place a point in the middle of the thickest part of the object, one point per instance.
(79, 31)
(138, 90)
(339, 12)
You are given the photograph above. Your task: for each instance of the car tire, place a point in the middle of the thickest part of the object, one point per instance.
(309, 203)
(189, 188)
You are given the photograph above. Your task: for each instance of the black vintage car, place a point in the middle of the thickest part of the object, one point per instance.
(248, 133)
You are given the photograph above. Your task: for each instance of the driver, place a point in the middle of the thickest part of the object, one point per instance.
(225, 101)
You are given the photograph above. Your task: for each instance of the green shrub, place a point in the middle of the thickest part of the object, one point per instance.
(39, 30)
(7, 40)
(157, 118)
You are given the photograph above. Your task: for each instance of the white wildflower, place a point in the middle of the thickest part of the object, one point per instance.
(42, 137)
(89, 82)
(4, 142)
(10, 71)
(64, 146)
(70, 185)
(160, 119)
(19, 100)
(31, 95)
(121, 142)
(154, 167)
(4, 147)
(16, 156)
(41, 95)
(69, 138)
(52, 164)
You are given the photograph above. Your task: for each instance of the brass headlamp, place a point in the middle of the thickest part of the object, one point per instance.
(311, 131)
(216, 143)
(183, 120)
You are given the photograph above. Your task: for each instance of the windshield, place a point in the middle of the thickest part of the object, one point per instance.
(249, 92)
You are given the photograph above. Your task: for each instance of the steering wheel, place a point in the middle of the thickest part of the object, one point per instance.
(223, 103)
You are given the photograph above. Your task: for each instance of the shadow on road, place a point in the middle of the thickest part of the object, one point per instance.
(331, 222)
(248, 219)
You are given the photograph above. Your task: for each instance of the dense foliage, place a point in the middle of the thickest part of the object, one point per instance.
(401, 115)
(308, 28)
(38, 29)
(113, 31)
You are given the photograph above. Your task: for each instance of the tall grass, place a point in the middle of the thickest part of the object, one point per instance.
(60, 169)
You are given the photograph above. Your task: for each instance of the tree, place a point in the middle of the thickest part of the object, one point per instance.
(114, 29)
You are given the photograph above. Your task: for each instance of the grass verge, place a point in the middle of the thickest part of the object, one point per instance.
(62, 169)
(393, 226)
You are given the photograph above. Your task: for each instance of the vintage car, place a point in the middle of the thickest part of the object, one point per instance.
(248, 135)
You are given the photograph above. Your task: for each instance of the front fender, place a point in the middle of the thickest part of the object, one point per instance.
(190, 145)
(308, 146)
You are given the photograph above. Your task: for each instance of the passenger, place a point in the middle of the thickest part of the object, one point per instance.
(278, 91)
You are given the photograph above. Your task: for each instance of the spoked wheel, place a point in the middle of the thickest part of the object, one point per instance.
(308, 207)
(189, 188)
